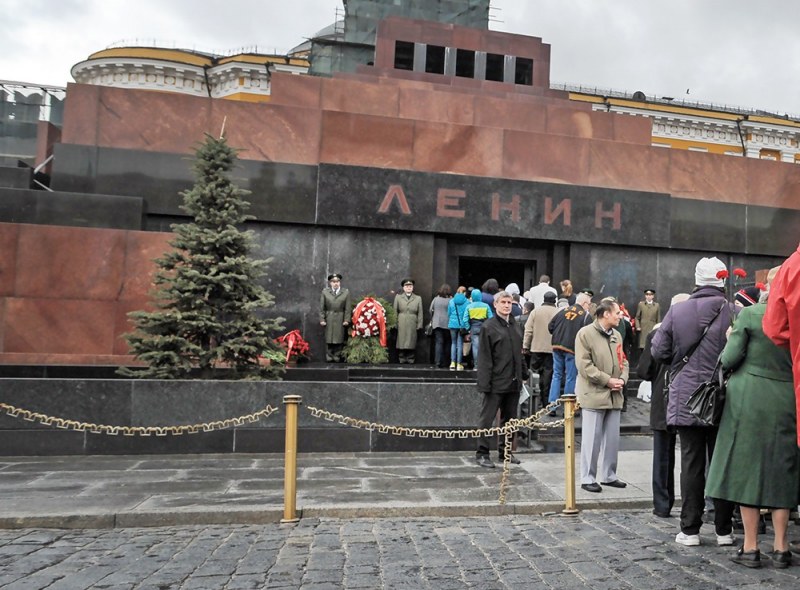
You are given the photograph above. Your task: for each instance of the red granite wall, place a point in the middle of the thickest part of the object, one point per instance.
(65, 291)
(382, 121)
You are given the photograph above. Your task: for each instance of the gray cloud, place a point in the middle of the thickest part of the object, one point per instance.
(734, 52)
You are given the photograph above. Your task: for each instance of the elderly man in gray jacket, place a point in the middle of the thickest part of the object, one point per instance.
(602, 374)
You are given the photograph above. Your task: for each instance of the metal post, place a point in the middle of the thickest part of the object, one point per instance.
(569, 453)
(291, 402)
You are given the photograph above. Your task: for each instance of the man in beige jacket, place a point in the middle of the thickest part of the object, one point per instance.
(602, 374)
(538, 342)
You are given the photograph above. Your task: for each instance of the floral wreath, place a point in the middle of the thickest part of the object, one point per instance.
(294, 344)
(369, 320)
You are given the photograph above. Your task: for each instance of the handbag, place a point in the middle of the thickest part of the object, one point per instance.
(461, 330)
(671, 373)
(708, 400)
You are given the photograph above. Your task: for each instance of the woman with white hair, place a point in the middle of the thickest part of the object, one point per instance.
(756, 460)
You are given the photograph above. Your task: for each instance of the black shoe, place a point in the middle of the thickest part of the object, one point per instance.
(484, 461)
(781, 559)
(552, 414)
(615, 484)
(747, 558)
(794, 546)
(591, 487)
(511, 459)
(660, 514)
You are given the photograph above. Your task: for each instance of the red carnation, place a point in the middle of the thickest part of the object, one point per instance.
(722, 274)
(740, 272)
(761, 286)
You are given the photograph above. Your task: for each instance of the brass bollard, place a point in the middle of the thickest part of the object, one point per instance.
(291, 402)
(569, 453)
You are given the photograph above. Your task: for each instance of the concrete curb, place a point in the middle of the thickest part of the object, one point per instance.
(274, 515)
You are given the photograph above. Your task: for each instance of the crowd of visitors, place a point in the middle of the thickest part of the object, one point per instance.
(747, 464)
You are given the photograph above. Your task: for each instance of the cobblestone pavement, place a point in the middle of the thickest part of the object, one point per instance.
(597, 549)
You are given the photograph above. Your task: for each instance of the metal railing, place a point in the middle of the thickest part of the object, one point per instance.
(668, 100)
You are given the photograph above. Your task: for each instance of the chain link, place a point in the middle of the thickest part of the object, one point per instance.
(514, 425)
(67, 424)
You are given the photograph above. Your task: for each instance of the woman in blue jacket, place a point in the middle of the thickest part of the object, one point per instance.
(455, 313)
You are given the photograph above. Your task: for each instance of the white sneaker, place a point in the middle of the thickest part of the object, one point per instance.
(723, 540)
(687, 540)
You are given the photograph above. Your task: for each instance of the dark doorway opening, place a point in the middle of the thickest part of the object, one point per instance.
(473, 272)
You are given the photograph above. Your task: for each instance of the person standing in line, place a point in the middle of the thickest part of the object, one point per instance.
(527, 308)
(782, 326)
(537, 342)
(664, 437)
(409, 309)
(488, 289)
(536, 294)
(439, 321)
(335, 311)
(782, 318)
(696, 330)
(475, 315)
(501, 374)
(756, 461)
(455, 313)
(602, 374)
(564, 327)
(648, 314)
(567, 292)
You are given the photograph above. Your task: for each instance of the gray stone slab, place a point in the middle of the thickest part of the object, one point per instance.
(191, 402)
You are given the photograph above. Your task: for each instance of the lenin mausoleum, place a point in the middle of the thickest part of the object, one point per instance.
(406, 139)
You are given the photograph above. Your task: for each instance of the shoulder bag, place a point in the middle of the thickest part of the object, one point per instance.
(707, 401)
(671, 373)
(463, 331)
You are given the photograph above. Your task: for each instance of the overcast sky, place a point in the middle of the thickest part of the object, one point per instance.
(736, 52)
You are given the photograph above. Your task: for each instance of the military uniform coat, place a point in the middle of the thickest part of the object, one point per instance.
(756, 460)
(647, 316)
(409, 320)
(334, 311)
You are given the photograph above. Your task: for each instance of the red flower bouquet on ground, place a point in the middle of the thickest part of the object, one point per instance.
(294, 344)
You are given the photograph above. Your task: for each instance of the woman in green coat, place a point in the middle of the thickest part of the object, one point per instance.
(756, 462)
(409, 319)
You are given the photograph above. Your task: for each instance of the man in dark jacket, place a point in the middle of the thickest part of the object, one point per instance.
(564, 327)
(697, 328)
(664, 437)
(501, 373)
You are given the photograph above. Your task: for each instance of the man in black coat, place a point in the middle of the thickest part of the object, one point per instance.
(501, 373)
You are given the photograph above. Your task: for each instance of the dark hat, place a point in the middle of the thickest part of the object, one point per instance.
(748, 296)
(550, 297)
(588, 291)
(405, 282)
(334, 275)
(649, 292)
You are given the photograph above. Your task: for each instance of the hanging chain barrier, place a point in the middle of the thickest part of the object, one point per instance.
(67, 424)
(507, 431)
(511, 427)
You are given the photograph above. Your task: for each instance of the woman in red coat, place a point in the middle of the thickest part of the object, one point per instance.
(782, 318)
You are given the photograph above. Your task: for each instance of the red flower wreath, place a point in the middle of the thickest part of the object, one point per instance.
(294, 344)
(369, 319)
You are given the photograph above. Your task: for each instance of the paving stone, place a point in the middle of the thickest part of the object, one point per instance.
(494, 553)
